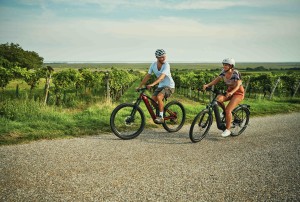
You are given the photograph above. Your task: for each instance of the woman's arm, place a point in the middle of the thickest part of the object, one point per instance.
(213, 82)
(239, 83)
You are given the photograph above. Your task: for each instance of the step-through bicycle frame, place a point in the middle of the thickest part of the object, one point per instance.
(212, 109)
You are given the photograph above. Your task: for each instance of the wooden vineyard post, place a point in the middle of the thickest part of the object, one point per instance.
(49, 71)
(107, 87)
(297, 87)
(273, 90)
(247, 84)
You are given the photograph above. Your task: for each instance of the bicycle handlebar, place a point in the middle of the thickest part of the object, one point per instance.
(141, 89)
(216, 91)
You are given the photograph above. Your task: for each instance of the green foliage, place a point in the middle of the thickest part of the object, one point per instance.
(26, 121)
(14, 110)
(23, 121)
(66, 80)
(90, 79)
(19, 57)
(5, 77)
(16, 63)
(119, 81)
(259, 83)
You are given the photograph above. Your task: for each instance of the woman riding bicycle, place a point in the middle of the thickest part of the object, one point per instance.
(166, 84)
(235, 91)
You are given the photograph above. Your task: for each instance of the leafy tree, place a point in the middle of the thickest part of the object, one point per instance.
(5, 74)
(19, 57)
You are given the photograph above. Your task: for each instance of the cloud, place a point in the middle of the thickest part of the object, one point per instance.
(109, 5)
(186, 38)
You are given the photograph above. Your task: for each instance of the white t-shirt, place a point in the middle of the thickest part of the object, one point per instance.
(165, 69)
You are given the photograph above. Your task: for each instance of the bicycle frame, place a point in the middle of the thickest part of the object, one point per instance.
(204, 119)
(146, 99)
(214, 106)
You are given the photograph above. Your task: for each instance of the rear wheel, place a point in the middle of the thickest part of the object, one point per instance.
(200, 126)
(127, 123)
(240, 120)
(174, 114)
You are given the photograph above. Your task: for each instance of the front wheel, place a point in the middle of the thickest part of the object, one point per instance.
(240, 120)
(200, 126)
(174, 114)
(127, 121)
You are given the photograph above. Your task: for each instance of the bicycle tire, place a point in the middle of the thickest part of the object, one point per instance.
(200, 126)
(240, 120)
(174, 125)
(123, 125)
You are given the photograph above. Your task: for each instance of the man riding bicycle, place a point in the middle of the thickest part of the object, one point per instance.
(166, 84)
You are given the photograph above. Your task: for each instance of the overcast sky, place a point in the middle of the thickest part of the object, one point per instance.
(124, 30)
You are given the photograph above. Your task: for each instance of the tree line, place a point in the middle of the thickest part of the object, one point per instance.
(256, 84)
(64, 86)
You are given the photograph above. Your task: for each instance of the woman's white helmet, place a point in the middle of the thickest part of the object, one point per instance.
(229, 61)
(160, 52)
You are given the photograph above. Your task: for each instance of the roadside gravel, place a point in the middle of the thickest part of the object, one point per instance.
(263, 164)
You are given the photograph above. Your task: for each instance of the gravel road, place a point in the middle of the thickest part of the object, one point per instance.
(263, 164)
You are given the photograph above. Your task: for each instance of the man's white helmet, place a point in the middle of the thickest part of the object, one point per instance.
(160, 52)
(229, 61)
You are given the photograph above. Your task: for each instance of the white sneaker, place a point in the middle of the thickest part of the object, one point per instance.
(159, 120)
(226, 133)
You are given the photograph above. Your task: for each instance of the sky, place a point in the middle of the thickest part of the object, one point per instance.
(131, 30)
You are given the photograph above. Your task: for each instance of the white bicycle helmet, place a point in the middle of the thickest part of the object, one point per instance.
(160, 52)
(229, 61)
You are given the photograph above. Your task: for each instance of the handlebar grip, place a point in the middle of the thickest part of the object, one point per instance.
(141, 89)
(208, 88)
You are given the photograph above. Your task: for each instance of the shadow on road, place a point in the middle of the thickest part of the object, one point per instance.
(160, 136)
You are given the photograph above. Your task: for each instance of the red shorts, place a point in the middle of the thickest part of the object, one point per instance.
(239, 92)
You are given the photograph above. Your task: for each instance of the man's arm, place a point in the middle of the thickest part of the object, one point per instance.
(144, 81)
(159, 79)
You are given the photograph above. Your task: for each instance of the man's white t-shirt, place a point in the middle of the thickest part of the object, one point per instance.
(165, 69)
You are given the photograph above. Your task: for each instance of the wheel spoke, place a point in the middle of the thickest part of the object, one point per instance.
(240, 121)
(174, 116)
(126, 125)
(200, 126)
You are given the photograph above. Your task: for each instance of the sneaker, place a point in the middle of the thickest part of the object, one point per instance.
(226, 133)
(159, 119)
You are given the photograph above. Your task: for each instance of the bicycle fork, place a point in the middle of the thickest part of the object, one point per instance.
(132, 114)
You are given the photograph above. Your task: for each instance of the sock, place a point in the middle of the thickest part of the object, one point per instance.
(161, 114)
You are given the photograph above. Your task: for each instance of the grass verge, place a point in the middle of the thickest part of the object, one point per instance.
(22, 122)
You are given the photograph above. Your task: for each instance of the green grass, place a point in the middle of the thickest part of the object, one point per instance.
(24, 121)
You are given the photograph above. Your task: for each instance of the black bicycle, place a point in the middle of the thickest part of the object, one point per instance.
(127, 120)
(203, 121)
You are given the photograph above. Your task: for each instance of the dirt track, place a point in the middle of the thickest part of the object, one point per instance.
(260, 165)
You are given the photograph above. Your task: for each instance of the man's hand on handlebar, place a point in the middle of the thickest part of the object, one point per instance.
(149, 86)
(205, 86)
